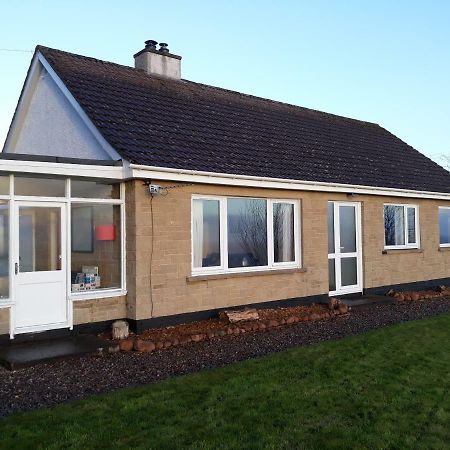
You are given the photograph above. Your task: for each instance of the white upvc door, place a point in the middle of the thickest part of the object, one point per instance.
(40, 266)
(344, 248)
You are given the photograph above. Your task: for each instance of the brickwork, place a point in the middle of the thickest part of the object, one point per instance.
(172, 293)
(4, 321)
(99, 310)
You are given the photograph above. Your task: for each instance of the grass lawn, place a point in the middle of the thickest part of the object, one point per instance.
(389, 388)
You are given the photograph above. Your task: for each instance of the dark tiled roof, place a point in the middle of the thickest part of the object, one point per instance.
(187, 125)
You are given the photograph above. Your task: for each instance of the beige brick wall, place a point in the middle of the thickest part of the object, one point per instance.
(172, 294)
(4, 321)
(88, 311)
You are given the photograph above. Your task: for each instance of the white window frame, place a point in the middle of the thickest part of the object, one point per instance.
(223, 221)
(407, 244)
(445, 245)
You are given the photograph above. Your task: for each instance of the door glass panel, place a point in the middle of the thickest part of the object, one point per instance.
(349, 271)
(347, 229)
(332, 274)
(39, 239)
(331, 227)
(283, 232)
(4, 249)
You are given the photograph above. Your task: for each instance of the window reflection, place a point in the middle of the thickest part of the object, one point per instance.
(247, 232)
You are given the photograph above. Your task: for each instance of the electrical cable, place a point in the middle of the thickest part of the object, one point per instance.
(151, 256)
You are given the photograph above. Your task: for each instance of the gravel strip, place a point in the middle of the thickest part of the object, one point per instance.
(76, 378)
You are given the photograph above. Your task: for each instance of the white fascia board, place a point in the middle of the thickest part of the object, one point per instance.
(193, 176)
(63, 169)
(80, 111)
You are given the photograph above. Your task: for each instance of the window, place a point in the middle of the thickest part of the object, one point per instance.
(444, 226)
(401, 226)
(243, 234)
(97, 248)
(39, 187)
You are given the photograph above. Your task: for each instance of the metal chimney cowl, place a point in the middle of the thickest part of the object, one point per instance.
(158, 62)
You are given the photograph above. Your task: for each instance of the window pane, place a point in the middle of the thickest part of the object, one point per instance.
(94, 189)
(206, 233)
(247, 232)
(39, 187)
(411, 212)
(347, 226)
(332, 274)
(4, 185)
(331, 228)
(444, 226)
(4, 249)
(283, 232)
(95, 247)
(394, 223)
(349, 271)
(39, 239)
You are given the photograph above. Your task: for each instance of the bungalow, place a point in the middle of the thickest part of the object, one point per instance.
(131, 193)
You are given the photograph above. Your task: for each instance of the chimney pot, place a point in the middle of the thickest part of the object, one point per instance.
(163, 47)
(151, 44)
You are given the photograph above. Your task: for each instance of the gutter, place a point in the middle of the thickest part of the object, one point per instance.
(195, 176)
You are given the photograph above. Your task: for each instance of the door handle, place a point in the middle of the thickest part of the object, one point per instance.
(16, 268)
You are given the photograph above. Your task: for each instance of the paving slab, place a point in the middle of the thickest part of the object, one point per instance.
(24, 354)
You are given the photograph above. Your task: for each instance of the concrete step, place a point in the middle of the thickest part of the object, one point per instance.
(368, 300)
(15, 356)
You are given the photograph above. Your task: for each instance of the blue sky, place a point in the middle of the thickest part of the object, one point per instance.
(385, 62)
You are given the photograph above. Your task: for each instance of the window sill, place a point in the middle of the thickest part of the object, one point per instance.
(444, 248)
(388, 251)
(5, 304)
(92, 295)
(253, 273)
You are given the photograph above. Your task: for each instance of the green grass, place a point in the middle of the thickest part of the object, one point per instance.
(389, 388)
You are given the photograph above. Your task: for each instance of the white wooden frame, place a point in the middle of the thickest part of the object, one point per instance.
(411, 245)
(337, 255)
(447, 244)
(223, 268)
(9, 303)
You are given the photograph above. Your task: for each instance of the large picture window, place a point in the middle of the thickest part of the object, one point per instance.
(242, 234)
(444, 226)
(401, 226)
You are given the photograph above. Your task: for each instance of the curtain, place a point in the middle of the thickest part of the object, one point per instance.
(283, 223)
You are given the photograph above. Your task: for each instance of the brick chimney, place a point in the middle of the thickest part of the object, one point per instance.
(159, 62)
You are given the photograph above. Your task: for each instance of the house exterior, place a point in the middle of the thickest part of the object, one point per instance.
(131, 193)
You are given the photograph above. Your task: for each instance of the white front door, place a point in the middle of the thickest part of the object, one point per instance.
(344, 248)
(40, 266)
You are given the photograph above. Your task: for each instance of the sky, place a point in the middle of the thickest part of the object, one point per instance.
(380, 61)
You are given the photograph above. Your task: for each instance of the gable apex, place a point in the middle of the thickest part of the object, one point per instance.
(49, 122)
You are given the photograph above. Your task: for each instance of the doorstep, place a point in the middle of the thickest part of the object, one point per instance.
(368, 300)
(19, 355)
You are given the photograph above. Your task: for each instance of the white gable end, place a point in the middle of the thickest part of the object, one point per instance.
(47, 123)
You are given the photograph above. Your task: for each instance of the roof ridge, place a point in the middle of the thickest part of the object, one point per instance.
(238, 94)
